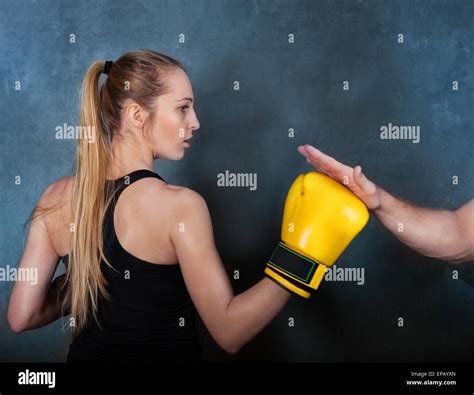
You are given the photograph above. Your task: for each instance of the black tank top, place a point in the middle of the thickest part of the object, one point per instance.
(149, 317)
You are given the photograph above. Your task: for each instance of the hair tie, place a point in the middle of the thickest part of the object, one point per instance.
(107, 67)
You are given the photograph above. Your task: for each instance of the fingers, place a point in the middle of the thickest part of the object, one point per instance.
(324, 162)
(314, 155)
(302, 150)
(317, 165)
(312, 151)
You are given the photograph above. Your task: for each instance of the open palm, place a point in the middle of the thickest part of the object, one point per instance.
(352, 178)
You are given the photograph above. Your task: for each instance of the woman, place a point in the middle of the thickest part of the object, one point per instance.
(140, 253)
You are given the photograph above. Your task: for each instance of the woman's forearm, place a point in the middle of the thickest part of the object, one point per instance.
(51, 309)
(251, 311)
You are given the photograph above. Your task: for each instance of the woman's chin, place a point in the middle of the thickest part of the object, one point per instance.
(176, 154)
(179, 155)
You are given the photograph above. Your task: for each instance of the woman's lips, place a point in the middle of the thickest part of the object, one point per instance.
(186, 142)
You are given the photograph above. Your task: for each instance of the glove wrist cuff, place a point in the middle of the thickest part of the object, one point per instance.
(299, 270)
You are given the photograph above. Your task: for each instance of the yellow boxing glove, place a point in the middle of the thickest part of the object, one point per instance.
(321, 217)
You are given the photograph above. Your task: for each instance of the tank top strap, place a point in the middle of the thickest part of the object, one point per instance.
(132, 177)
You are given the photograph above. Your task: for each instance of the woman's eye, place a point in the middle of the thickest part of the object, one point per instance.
(183, 107)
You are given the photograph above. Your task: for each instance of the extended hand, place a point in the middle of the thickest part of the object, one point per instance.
(352, 178)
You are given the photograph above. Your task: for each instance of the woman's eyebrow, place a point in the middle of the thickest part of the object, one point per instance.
(186, 98)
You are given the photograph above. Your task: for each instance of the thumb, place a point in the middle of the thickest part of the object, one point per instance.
(358, 175)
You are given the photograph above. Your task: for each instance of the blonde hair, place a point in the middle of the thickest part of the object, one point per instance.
(139, 76)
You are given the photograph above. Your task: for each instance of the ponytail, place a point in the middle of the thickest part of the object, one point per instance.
(84, 276)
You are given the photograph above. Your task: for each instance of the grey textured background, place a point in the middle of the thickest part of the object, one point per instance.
(282, 86)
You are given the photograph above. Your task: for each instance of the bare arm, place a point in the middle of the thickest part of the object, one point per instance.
(34, 303)
(443, 234)
(232, 320)
(447, 235)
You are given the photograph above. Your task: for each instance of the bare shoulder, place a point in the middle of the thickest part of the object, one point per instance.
(190, 213)
(58, 190)
(173, 198)
(186, 197)
(172, 207)
(53, 209)
(55, 199)
(188, 203)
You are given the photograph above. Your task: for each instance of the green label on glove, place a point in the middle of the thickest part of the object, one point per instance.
(292, 263)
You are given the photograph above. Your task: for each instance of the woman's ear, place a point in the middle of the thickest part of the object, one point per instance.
(134, 115)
